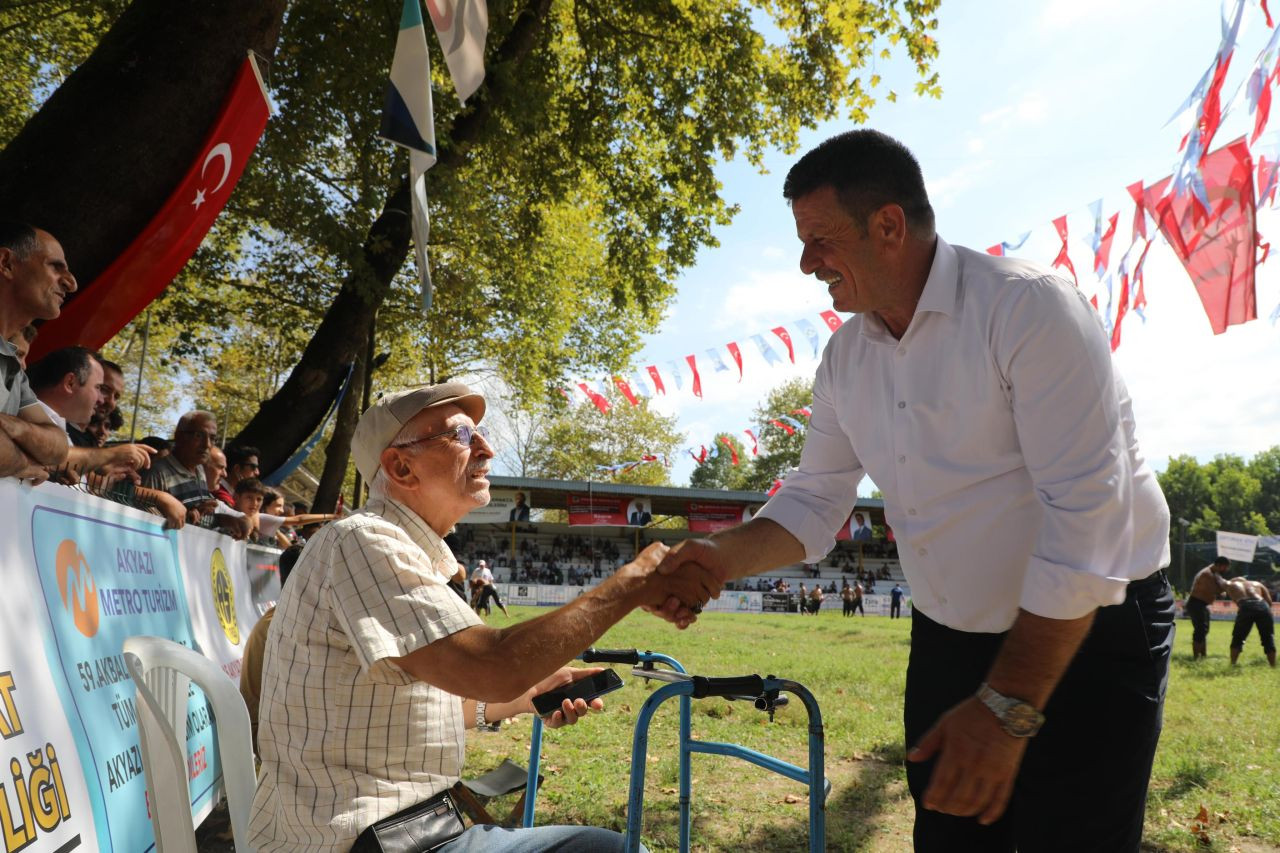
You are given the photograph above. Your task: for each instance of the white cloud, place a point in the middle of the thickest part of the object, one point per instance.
(943, 191)
(773, 253)
(767, 297)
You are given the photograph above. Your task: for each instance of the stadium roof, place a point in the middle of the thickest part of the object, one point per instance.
(665, 500)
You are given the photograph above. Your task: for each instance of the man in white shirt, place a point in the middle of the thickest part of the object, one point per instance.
(978, 393)
(374, 669)
(485, 590)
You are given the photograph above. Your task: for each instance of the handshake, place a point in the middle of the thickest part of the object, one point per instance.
(677, 582)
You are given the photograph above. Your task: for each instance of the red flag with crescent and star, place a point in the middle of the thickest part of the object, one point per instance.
(736, 352)
(142, 272)
(1217, 250)
(1064, 259)
(782, 333)
(833, 322)
(697, 380)
(733, 451)
(657, 380)
(625, 388)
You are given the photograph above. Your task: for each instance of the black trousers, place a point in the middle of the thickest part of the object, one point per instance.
(1198, 612)
(1083, 780)
(1252, 612)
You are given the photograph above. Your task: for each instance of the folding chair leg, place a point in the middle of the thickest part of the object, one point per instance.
(470, 804)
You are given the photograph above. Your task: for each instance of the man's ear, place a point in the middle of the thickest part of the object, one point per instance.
(70, 383)
(889, 225)
(395, 467)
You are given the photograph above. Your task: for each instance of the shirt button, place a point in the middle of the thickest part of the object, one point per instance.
(902, 459)
(911, 512)
(901, 405)
(923, 552)
(942, 599)
(902, 352)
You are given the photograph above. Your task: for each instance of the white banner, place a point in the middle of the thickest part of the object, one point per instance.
(218, 595)
(505, 505)
(1237, 546)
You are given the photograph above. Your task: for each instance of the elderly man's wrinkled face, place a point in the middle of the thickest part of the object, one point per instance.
(192, 441)
(41, 281)
(215, 468)
(453, 477)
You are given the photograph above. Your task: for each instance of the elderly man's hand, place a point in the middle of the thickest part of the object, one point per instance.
(689, 588)
(569, 712)
(175, 514)
(691, 555)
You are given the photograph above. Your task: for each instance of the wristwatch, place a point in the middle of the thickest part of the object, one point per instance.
(1017, 718)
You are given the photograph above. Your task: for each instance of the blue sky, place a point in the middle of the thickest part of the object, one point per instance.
(1046, 107)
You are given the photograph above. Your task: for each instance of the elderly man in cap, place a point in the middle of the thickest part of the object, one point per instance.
(374, 668)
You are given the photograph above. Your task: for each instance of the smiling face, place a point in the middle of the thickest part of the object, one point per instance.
(39, 283)
(84, 396)
(839, 252)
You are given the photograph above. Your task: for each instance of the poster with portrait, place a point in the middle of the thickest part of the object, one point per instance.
(505, 505)
(857, 528)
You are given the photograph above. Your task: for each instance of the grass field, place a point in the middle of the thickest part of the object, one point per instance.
(1220, 750)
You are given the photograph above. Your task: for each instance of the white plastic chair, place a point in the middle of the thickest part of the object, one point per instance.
(163, 670)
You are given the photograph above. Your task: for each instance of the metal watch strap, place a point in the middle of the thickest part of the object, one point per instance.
(1017, 717)
(481, 722)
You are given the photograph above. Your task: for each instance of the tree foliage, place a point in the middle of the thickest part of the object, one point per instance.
(1224, 494)
(580, 439)
(570, 192)
(719, 471)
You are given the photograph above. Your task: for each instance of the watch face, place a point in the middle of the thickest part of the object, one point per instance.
(1022, 720)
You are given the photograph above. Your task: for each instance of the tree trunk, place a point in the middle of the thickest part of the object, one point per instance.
(338, 450)
(284, 422)
(293, 413)
(108, 147)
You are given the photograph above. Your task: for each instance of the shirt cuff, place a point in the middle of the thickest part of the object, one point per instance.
(1058, 592)
(801, 522)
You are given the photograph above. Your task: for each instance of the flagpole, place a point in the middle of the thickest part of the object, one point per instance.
(142, 362)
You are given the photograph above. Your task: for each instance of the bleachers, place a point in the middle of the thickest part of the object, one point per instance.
(586, 555)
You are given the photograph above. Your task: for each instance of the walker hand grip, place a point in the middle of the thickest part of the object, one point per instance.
(593, 655)
(742, 685)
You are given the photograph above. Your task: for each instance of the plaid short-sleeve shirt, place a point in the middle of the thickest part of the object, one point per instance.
(347, 738)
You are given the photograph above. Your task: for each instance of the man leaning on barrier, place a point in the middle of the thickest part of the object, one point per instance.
(374, 668)
(34, 282)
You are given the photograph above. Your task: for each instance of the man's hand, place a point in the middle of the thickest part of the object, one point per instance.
(237, 527)
(977, 762)
(569, 712)
(124, 460)
(692, 554)
(690, 587)
(37, 474)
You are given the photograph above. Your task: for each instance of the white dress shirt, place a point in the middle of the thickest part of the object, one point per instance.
(1003, 442)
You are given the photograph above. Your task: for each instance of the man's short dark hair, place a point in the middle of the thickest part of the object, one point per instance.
(239, 454)
(867, 169)
(156, 442)
(1222, 561)
(288, 557)
(110, 365)
(49, 371)
(250, 485)
(19, 237)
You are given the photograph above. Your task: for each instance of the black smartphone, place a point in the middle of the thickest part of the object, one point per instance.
(585, 688)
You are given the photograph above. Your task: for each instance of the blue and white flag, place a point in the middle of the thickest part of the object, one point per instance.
(716, 360)
(463, 27)
(408, 120)
(810, 333)
(767, 351)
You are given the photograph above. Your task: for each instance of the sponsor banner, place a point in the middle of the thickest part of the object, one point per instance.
(776, 602)
(44, 801)
(214, 574)
(736, 602)
(1237, 546)
(709, 518)
(505, 505)
(105, 573)
(857, 528)
(609, 510)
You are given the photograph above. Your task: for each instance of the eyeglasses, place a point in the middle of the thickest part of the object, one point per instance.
(462, 433)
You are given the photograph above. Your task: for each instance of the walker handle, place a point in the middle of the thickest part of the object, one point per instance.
(742, 685)
(594, 655)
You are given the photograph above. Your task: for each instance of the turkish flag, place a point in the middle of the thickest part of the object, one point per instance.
(697, 380)
(657, 379)
(103, 307)
(733, 451)
(736, 352)
(1064, 259)
(833, 322)
(1217, 250)
(626, 390)
(782, 333)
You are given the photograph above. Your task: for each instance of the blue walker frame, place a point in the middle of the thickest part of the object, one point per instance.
(765, 692)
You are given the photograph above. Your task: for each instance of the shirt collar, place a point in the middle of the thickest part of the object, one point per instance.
(418, 530)
(942, 288)
(940, 295)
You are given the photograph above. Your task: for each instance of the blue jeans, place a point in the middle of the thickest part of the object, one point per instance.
(539, 839)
